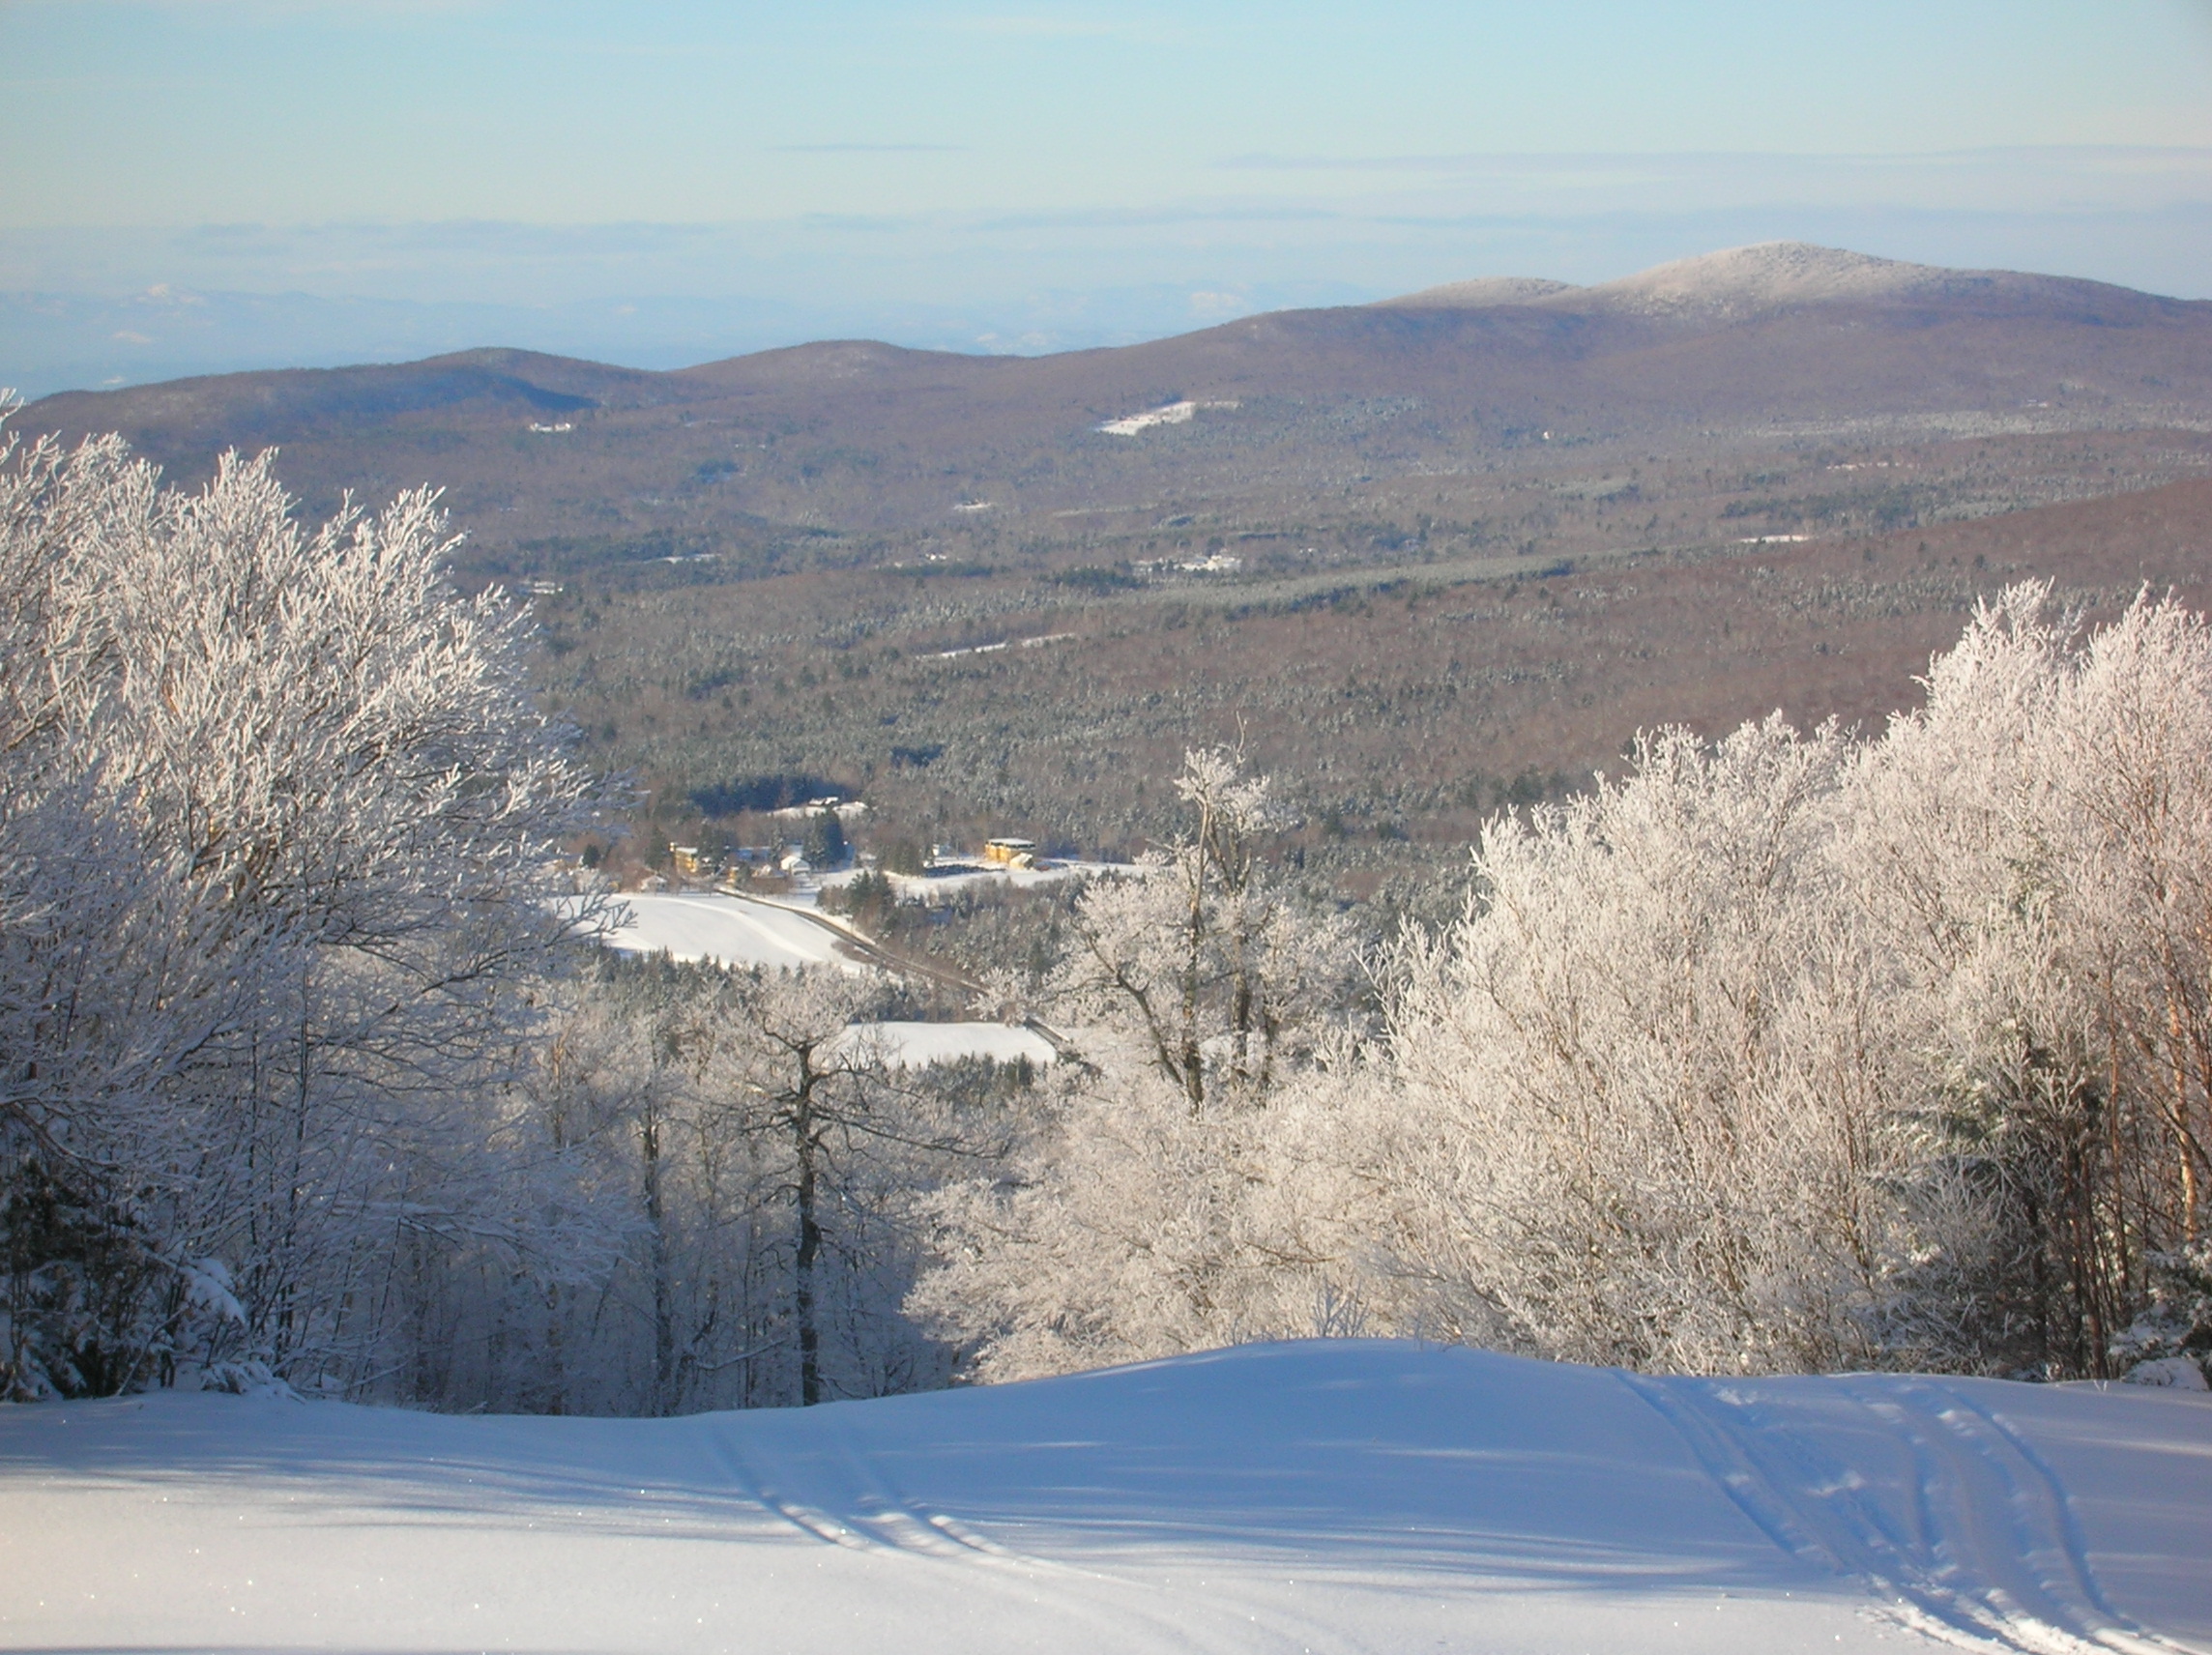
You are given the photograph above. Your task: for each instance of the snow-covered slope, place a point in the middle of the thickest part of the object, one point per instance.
(1738, 285)
(1480, 294)
(951, 884)
(1338, 1496)
(733, 930)
(1740, 281)
(917, 1045)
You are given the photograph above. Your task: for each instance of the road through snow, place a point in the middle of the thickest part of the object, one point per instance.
(1339, 1496)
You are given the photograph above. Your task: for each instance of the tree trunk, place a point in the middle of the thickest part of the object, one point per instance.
(809, 1250)
(663, 1285)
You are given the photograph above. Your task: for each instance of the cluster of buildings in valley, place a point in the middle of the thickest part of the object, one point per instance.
(832, 852)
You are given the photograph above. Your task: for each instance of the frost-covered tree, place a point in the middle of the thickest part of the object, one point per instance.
(1642, 1061)
(1787, 1052)
(1124, 1228)
(1205, 963)
(276, 816)
(2036, 851)
(1188, 1182)
(737, 1170)
(840, 1141)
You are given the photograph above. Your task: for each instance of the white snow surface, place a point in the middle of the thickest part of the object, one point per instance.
(1168, 414)
(1329, 1496)
(918, 1045)
(732, 930)
(947, 882)
(1480, 294)
(1740, 283)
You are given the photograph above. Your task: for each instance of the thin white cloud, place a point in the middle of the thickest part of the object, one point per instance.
(312, 7)
(1044, 26)
(2117, 159)
(870, 149)
(1154, 217)
(2076, 179)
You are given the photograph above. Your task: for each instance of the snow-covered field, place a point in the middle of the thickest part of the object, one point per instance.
(917, 1045)
(1330, 1497)
(734, 930)
(957, 879)
(740, 930)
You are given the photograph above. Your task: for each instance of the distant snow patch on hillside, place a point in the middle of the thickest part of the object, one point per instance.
(844, 810)
(1036, 643)
(1169, 414)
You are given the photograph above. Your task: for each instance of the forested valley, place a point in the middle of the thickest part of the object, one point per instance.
(1795, 1050)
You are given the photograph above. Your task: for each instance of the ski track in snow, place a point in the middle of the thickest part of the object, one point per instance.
(1979, 1547)
(833, 1491)
(1338, 1497)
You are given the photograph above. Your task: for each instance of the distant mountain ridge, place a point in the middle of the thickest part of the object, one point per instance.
(1295, 412)
(1740, 283)
(1479, 294)
(1432, 554)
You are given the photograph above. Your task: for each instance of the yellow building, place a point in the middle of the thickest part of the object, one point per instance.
(1010, 852)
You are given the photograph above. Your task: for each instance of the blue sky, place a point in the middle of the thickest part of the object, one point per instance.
(1020, 176)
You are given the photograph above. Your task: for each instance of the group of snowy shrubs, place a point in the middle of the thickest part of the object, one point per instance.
(273, 806)
(1793, 1051)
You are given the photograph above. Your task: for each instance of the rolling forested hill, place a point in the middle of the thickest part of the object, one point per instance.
(1426, 555)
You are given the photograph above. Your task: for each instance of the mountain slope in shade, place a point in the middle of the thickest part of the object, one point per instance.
(1483, 293)
(283, 400)
(1336, 1497)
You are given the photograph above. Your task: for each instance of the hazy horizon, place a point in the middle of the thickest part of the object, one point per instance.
(262, 183)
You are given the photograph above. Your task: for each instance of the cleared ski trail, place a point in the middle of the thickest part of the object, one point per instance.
(733, 930)
(1920, 1488)
(1344, 1496)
